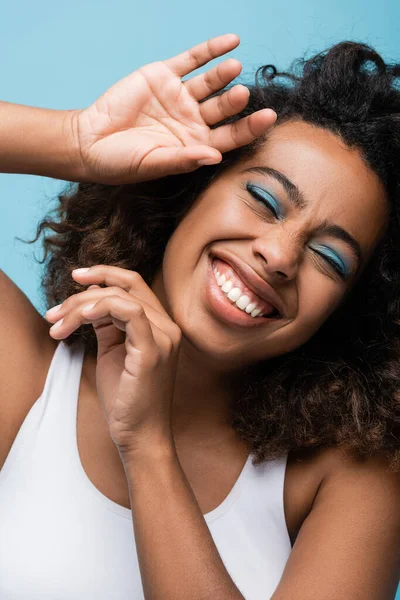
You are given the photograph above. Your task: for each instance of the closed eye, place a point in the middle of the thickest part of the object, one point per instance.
(329, 256)
(262, 196)
(334, 261)
(267, 199)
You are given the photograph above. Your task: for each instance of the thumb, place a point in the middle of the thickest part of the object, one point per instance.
(170, 161)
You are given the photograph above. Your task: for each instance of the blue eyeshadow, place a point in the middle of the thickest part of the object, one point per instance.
(342, 264)
(267, 196)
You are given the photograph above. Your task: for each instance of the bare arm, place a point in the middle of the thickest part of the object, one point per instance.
(39, 141)
(348, 547)
(148, 125)
(177, 555)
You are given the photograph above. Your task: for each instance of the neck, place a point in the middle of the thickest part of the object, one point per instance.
(202, 403)
(201, 407)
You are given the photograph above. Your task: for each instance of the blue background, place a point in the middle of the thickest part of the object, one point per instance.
(65, 54)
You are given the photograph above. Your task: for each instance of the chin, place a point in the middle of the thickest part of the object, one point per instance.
(223, 353)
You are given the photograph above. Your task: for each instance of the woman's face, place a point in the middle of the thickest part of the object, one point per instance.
(302, 232)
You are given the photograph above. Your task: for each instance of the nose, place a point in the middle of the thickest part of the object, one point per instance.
(279, 254)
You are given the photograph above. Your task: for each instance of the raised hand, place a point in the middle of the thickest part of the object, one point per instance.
(151, 123)
(137, 352)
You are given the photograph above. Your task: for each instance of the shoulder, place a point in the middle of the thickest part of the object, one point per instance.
(348, 545)
(26, 348)
(343, 464)
(363, 484)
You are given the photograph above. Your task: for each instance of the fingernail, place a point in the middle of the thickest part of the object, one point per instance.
(53, 310)
(56, 325)
(207, 161)
(83, 270)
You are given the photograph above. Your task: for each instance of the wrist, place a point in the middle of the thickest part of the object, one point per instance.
(150, 448)
(70, 133)
(40, 141)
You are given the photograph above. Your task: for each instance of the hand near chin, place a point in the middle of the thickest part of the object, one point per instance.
(151, 124)
(138, 346)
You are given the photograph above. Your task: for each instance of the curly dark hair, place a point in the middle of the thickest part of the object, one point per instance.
(342, 386)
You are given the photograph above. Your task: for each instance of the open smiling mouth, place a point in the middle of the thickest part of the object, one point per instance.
(233, 301)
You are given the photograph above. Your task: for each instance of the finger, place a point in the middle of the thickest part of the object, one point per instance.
(225, 105)
(242, 132)
(70, 312)
(199, 55)
(58, 312)
(129, 312)
(170, 161)
(130, 281)
(90, 295)
(215, 79)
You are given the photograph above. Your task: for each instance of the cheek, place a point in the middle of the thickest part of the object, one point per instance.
(319, 297)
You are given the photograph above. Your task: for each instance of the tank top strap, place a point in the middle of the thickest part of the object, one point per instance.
(262, 488)
(270, 475)
(60, 394)
(48, 423)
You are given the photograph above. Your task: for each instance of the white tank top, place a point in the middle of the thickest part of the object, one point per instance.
(62, 539)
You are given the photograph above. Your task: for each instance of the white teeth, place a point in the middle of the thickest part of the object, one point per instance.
(221, 280)
(234, 294)
(249, 309)
(228, 285)
(242, 301)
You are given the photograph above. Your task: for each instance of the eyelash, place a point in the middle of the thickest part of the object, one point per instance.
(264, 201)
(333, 264)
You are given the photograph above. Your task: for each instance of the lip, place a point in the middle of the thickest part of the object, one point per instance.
(253, 281)
(226, 311)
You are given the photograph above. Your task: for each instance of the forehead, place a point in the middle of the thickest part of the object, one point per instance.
(333, 178)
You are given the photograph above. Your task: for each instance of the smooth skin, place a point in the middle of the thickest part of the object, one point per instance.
(137, 352)
(147, 125)
(354, 520)
(151, 123)
(356, 502)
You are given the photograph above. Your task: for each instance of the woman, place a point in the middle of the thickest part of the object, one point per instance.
(224, 373)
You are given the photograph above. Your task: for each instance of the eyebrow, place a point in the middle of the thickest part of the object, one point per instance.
(297, 198)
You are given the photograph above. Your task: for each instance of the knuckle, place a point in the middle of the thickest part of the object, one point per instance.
(221, 104)
(137, 309)
(193, 56)
(135, 277)
(112, 298)
(208, 82)
(228, 100)
(235, 132)
(105, 301)
(115, 290)
(209, 48)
